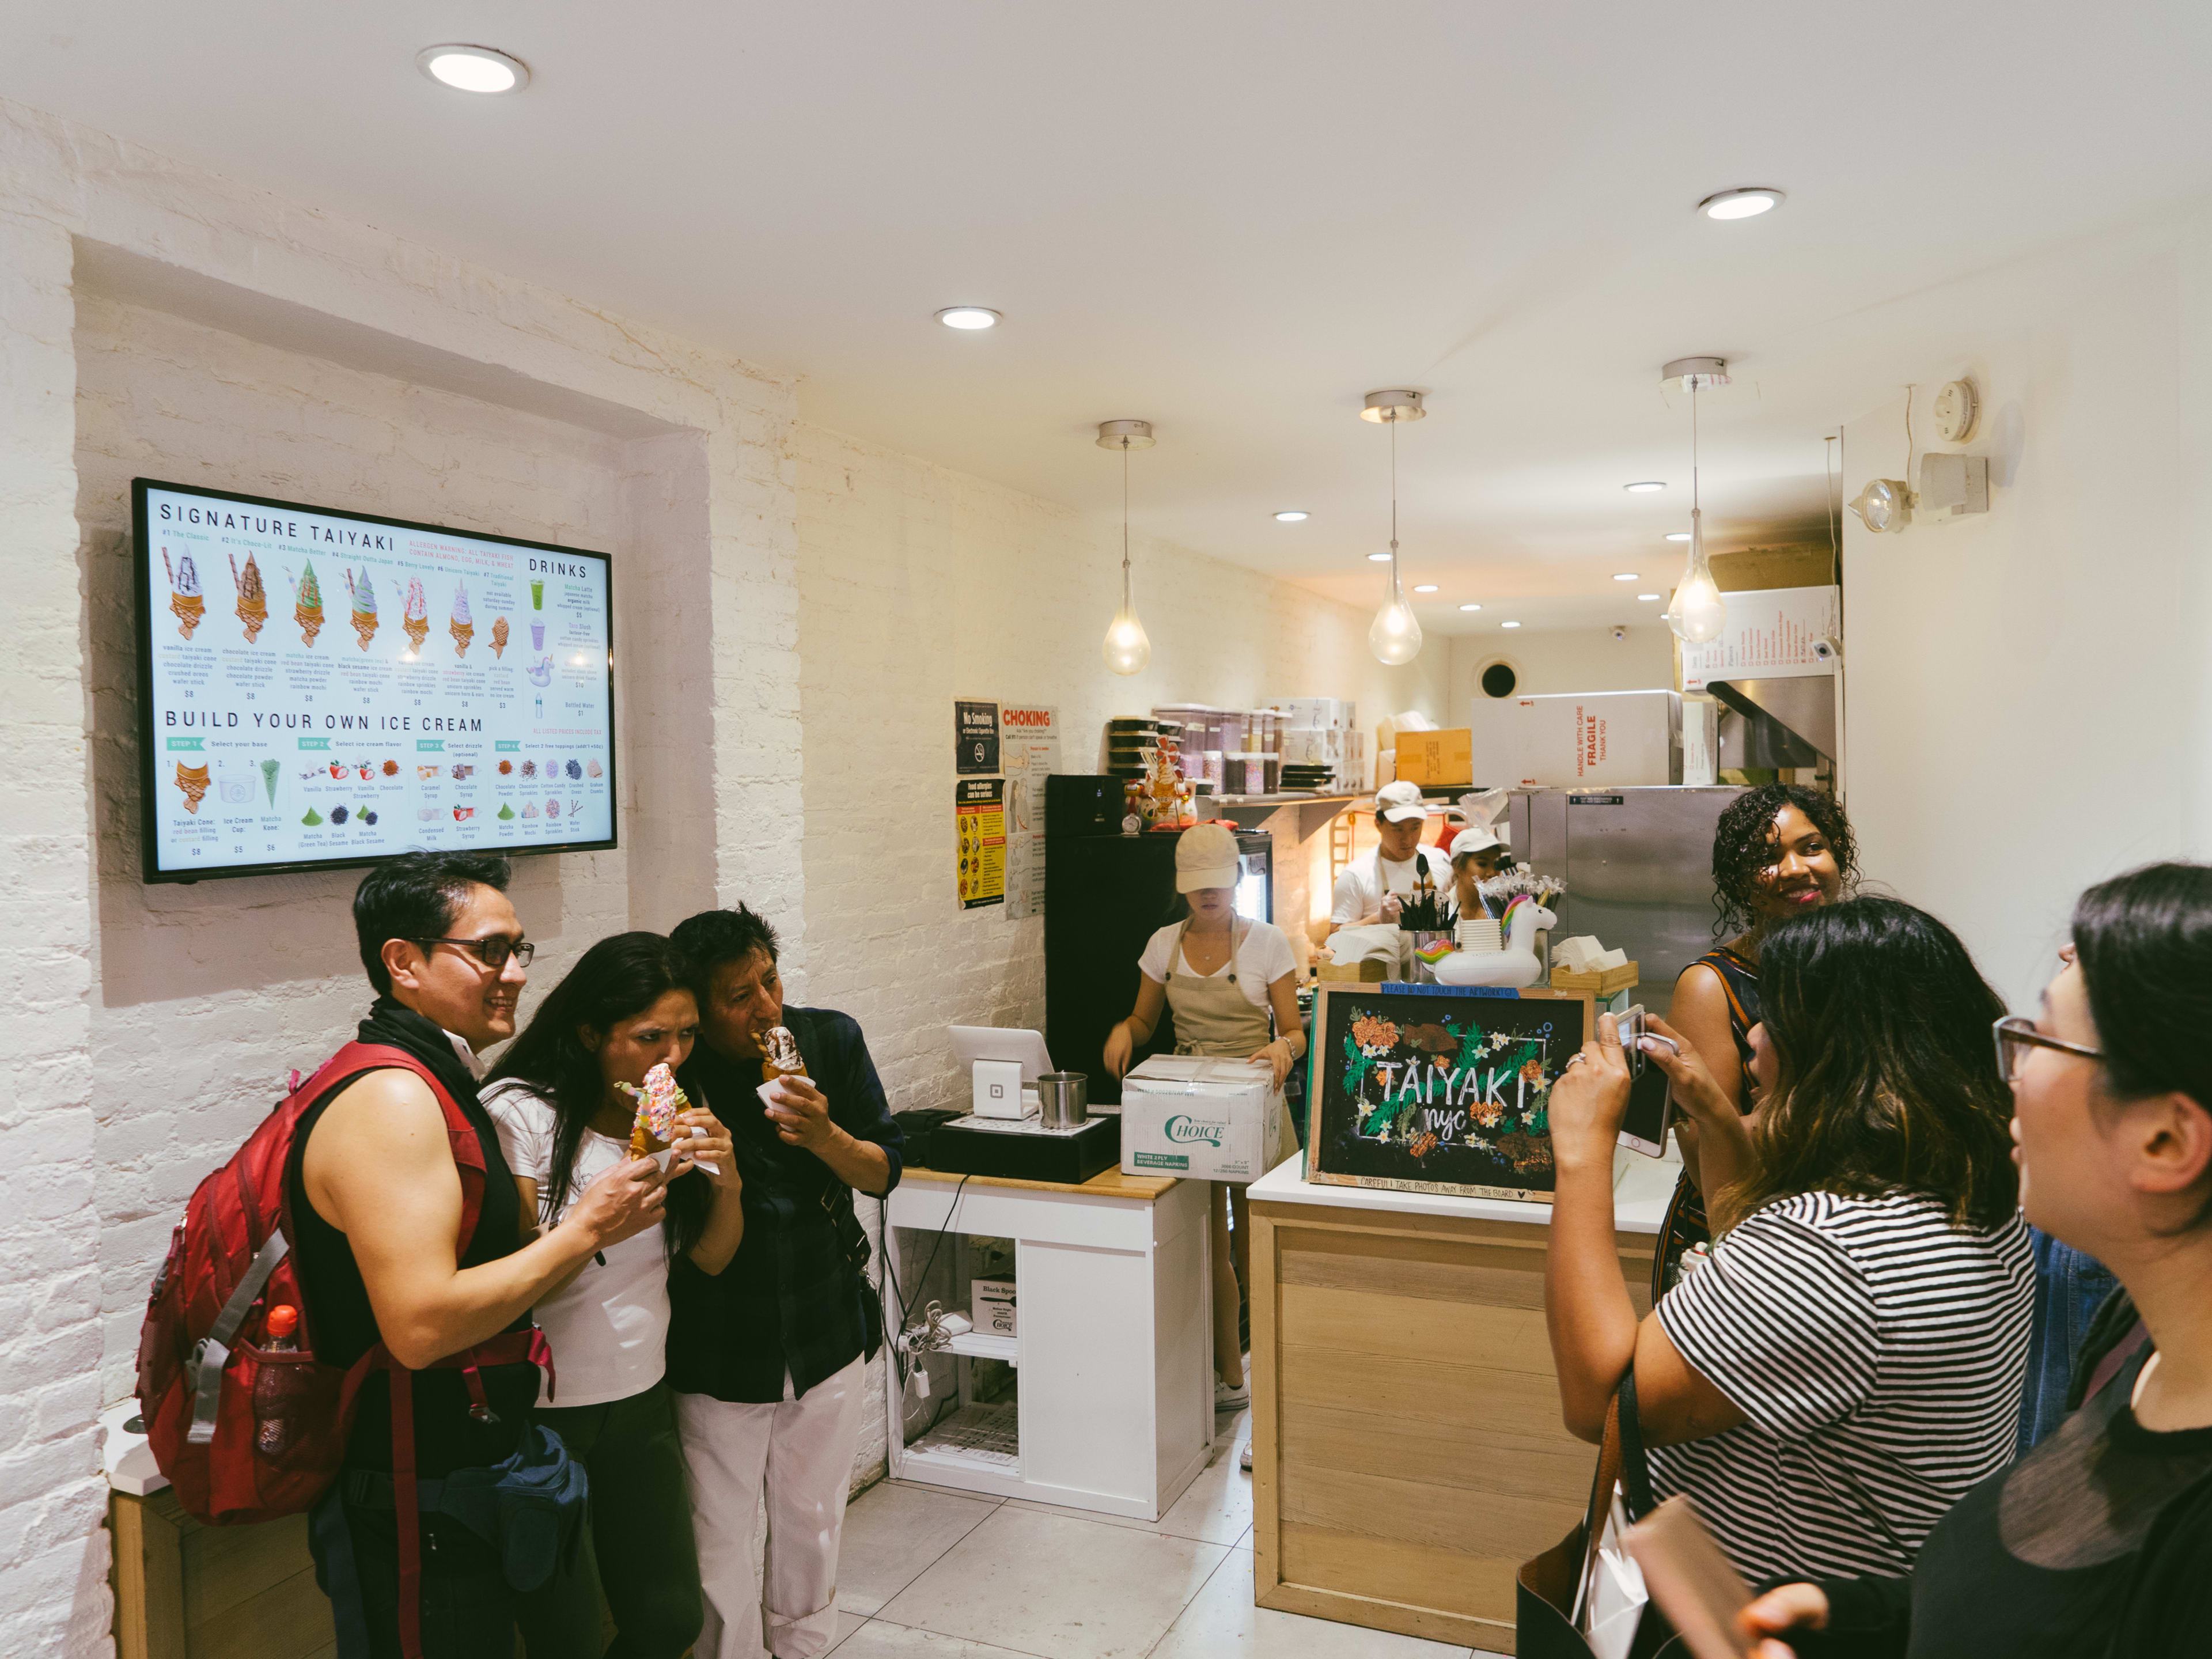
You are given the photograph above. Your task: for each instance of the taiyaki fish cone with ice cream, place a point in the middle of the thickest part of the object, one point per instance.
(463, 626)
(364, 605)
(658, 1103)
(307, 603)
(415, 618)
(185, 599)
(499, 637)
(193, 780)
(252, 598)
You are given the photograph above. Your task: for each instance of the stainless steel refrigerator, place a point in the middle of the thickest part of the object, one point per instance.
(1638, 862)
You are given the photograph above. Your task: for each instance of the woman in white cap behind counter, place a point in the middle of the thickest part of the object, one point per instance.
(1222, 976)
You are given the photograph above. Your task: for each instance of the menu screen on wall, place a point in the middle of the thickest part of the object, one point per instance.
(319, 688)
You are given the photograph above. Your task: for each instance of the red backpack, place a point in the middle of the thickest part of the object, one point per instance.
(245, 1432)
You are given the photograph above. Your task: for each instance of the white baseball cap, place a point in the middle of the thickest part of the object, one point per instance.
(1396, 802)
(1206, 855)
(1476, 838)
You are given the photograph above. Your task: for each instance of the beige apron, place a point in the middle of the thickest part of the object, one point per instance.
(1212, 1016)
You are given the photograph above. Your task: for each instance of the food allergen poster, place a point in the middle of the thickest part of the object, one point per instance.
(322, 688)
(979, 813)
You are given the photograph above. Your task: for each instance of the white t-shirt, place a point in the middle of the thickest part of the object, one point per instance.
(609, 1328)
(1878, 1350)
(1360, 888)
(1262, 956)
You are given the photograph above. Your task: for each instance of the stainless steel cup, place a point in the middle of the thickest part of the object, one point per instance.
(1063, 1099)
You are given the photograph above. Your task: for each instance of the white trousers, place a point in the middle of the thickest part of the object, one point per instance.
(801, 1451)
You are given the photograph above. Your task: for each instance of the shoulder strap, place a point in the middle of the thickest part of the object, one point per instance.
(357, 1058)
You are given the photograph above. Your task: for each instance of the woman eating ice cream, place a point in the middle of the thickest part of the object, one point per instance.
(561, 1099)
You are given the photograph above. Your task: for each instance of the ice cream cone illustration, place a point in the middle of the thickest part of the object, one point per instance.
(416, 616)
(252, 599)
(193, 780)
(499, 637)
(462, 627)
(186, 601)
(364, 605)
(307, 603)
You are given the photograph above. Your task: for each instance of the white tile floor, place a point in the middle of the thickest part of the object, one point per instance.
(931, 1574)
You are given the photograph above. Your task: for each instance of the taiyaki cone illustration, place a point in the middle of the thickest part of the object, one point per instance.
(658, 1103)
(364, 605)
(415, 617)
(463, 626)
(193, 780)
(252, 598)
(307, 604)
(499, 637)
(184, 600)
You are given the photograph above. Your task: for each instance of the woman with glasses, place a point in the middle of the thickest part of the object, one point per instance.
(558, 1100)
(1848, 1362)
(2099, 1541)
(1779, 851)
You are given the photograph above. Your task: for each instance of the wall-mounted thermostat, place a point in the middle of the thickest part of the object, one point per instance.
(1956, 408)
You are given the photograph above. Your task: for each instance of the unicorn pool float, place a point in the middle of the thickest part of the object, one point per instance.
(1500, 950)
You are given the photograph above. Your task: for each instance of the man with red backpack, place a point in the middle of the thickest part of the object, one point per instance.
(375, 1188)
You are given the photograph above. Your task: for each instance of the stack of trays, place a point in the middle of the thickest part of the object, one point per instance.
(1308, 776)
(1131, 745)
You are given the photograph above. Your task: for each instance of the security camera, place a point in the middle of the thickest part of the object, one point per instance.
(1826, 650)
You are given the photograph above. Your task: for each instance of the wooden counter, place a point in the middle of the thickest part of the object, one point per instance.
(1407, 1451)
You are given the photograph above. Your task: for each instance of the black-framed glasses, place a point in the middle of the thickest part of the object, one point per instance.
(493, 952)
(2016, 1034)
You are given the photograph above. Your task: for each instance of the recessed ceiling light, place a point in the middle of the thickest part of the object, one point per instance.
(1378, 558)
(1291, 515)
(1470, 607)
(1425, 587)
(1747, 203)
(473, 69)
(969, 317)
(1644, 488)
(1678, 535)
(1624, 575)
(1509, 624)
(1647, 596)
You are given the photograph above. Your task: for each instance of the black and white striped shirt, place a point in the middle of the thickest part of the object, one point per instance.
(1878, 1350)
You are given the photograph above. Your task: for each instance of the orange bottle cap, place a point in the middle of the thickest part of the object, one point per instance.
(284, 1319)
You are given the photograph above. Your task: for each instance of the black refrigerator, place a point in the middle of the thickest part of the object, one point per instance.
(1105, 893)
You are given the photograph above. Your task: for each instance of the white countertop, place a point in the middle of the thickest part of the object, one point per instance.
(1641, 1187)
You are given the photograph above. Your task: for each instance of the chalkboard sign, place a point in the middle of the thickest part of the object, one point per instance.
(1439, 1088)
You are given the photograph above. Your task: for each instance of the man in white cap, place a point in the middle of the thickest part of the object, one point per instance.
(1369, 892)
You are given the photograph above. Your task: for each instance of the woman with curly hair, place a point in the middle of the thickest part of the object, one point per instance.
(1779, 850)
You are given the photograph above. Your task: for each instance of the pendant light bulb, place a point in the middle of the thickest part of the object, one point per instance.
(1395, 636)
(1697, 613)
(1127, 648)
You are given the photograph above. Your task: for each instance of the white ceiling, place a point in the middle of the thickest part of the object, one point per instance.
(1232, 219)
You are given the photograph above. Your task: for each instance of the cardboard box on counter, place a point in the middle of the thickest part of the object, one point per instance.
(1436, 757)
(1574, 738)
(1207, 1118)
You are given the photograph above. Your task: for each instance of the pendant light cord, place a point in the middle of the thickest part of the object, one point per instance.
(1693, 446)
(1124, 521)
(1394, 503)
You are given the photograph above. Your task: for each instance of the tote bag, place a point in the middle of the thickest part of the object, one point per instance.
(1549, 1587)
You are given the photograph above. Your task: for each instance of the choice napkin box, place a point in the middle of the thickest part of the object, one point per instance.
(1202, 1117)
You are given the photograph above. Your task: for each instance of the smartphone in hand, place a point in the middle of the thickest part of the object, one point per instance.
(1644, 1127)
(1696, 1586)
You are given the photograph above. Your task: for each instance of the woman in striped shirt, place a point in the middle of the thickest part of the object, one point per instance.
(1849, 1361)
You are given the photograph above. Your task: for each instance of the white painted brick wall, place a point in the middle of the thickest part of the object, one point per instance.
(916, 585)
(148, 1028)
(206, 995)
